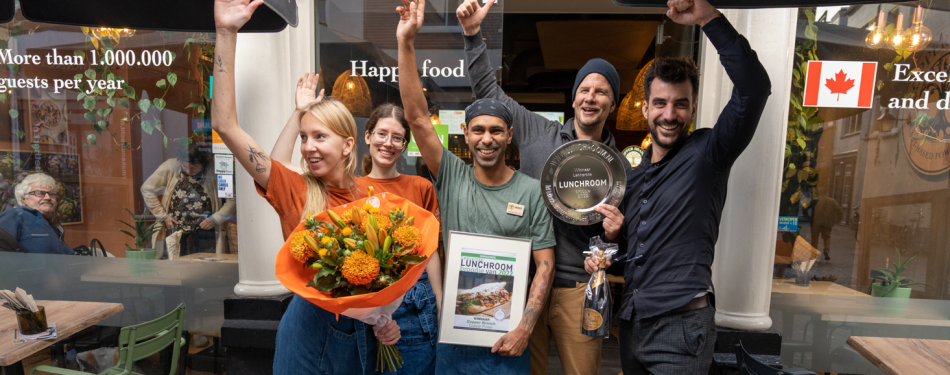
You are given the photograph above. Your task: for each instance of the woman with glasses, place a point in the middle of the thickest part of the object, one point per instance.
(387, 135)
(33, 223)
(310, 340)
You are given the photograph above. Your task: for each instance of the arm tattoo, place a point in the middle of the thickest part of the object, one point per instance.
(257, 157)
(538, 294)
(220, 63)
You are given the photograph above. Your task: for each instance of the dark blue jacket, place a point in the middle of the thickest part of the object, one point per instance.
(33, 231)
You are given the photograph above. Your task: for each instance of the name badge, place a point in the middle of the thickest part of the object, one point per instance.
(515, 209)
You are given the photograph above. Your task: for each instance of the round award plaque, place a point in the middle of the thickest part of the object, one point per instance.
(634, 155)
(579, 176)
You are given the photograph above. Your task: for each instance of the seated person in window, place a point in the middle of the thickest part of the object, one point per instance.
(189, 202)
(33, 224)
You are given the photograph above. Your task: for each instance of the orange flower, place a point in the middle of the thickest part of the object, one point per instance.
(359, 268)
(299, 248)
(406, 235)
(346, 231)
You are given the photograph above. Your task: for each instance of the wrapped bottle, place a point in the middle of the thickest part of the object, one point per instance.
(595, 321)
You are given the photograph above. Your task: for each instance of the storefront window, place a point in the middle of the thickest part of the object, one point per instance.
(118, 119)
(866, 178)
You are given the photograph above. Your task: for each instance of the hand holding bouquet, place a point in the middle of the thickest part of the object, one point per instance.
(360, 259)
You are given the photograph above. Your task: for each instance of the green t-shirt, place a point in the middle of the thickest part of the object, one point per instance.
(468, 205)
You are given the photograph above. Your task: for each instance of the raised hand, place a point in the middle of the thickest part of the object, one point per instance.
(691, 12)
(411, 13)
(231, 15)
(471, 15)
(306, 88)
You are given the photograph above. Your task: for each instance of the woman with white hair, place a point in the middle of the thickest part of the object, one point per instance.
(32, 224)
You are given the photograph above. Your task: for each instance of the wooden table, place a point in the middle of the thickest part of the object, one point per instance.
(226, 258)
(70, 317)
(904, 356)
(827, 288)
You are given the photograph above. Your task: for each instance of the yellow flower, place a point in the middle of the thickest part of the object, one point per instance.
(299, 248)
(367, 207)
(323, 252)
(325, 240)
(382, 222)
(359, 268)
(346, 231)
(406, 236)
(374, 211)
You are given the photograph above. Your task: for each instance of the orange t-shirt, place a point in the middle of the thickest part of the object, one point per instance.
(287, 192)
(416, 189)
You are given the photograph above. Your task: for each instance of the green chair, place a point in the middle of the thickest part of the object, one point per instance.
(140, 341)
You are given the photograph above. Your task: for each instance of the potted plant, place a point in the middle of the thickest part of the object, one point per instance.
(892, 284)
(141, 233)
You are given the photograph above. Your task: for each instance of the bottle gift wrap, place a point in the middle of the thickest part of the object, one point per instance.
(595, 322)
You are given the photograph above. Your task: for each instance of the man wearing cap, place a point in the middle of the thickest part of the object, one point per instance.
(487, 198)
(596, 94)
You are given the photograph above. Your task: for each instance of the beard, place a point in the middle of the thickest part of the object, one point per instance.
(680, 135)
(499, 157)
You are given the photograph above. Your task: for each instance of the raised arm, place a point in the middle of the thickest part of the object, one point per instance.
(751, 86)
(284, 147)
(410, 88)
(229, 17)
(528, 125)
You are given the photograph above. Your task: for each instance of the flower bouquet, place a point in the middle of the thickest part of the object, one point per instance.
(359, 259)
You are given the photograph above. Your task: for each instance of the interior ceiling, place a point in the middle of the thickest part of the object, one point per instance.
(569, 44)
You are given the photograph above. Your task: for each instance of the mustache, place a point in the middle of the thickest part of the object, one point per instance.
(668, 122)
(50, 201)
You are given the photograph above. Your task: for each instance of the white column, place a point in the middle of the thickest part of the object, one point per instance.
(267, 67)
(742, 271)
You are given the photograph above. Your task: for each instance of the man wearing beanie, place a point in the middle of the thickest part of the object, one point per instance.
(673, 204)
(596, 94)
(476, 199)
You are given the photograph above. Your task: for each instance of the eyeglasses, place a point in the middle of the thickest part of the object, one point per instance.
(398, 140)
(41, 194)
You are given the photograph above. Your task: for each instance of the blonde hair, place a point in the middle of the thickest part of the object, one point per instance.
(334, 115)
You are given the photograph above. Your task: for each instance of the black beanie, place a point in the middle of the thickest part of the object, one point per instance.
(602, 67)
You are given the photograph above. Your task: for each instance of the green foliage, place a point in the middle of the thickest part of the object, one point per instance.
(803, 129)
(141, 232)
(893, 279)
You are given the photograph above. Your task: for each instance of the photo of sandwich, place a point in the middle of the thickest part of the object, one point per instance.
(481, 298)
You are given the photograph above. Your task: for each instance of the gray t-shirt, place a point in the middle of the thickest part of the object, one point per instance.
(468, 205)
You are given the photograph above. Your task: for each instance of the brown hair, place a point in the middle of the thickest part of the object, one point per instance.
(392, 111)
(672, 70)
(334, 115)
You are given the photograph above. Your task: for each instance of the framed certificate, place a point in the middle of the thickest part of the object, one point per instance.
(487, 278)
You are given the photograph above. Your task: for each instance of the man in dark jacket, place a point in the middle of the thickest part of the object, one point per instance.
(673, 204)
(32, 223)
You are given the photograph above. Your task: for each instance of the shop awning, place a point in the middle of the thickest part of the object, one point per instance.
(751, 3)
(169, 15)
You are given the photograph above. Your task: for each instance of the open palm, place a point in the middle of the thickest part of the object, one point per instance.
(233, 14)
(306, 88)
(411, 14)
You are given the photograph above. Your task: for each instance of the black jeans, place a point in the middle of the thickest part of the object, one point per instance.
(672, 343)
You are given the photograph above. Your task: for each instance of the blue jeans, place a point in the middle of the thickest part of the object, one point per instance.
(418, 317)
(476, 360)
(311, 341)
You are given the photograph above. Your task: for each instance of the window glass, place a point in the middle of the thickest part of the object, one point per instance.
(866, 178)
(118, 121)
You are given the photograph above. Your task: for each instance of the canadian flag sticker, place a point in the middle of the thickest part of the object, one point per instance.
(842, 84)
